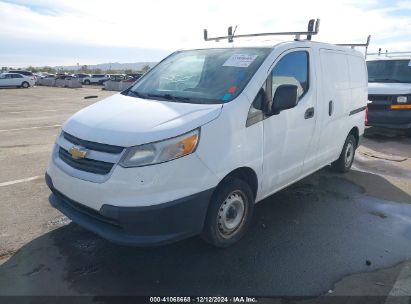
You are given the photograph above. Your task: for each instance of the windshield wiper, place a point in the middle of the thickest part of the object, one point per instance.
(170, 97)
(136, 94)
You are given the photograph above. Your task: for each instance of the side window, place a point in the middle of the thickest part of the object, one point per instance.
(255, 113)
(291, 69)
(16, 76)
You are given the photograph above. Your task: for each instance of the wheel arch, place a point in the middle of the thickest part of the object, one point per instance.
(246, 174)
(356, 133)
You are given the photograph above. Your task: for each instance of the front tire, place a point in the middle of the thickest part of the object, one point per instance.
(25, 84)
(86, 82)
(344, 162)
(229, 214)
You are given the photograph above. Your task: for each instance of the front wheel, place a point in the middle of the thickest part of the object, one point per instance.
(25, 85)
(344, 162)
(229, 214)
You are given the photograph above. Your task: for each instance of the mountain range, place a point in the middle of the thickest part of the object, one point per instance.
(136, 66)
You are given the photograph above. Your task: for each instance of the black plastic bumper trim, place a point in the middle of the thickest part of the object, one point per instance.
(139, 226)
(357, 111)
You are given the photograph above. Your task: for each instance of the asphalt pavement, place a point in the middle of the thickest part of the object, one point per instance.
(329, 234)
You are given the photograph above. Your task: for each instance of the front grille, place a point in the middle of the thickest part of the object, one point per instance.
(85, 210)
(382, 98)
(85, 164)
(373, 106)
(93, 145)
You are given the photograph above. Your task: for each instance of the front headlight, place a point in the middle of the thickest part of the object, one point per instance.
(161, 151)
(402, 99)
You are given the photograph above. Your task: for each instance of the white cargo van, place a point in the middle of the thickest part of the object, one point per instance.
(198, 140)
(389, 89)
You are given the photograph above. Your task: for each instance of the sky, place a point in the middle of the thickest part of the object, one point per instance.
(61, 32)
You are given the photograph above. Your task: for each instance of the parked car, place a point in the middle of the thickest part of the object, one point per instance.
(81, 76)
(199, 139)
(50, 76)
(132, 79)
(389, 91)
(25, 73)
(63, 76)
(16, 80)
(95, 79)
(117, 77)
(138, 75)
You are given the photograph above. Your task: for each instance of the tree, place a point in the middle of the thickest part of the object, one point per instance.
(145, 68)
(84, 67)
(33, 69)
(48, 69)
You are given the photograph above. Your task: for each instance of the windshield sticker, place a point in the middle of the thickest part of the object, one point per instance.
(240, 60)
(226, 97)
(232, 89)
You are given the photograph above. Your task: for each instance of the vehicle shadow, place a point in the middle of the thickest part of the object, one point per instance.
(389, 141)
(302, 240)
(379, 133)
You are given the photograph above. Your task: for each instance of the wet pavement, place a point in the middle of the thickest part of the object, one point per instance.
(302, 241)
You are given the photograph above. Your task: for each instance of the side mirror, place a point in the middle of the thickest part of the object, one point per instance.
(285, 97)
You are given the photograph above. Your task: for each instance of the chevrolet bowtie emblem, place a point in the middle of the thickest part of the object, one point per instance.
(78, 152)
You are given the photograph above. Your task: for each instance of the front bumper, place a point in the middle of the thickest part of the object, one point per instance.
(395, 119)
(138, 226)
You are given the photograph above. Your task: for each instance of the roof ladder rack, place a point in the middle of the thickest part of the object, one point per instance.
(313, 29)
(353, 45)
(391, 54)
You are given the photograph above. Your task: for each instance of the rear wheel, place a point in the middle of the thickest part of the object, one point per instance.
(344, 162)
(87, 82)
(25, 84)
(229, 214)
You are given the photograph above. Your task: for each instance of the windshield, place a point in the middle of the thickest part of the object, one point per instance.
(389, 71)
(201, 76)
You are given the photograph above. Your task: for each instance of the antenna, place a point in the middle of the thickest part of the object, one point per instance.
(313, 29)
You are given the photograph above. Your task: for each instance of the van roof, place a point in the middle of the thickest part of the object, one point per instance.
(269, 45)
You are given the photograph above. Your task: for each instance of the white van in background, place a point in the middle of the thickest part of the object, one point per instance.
(389, 90)
(198, 140)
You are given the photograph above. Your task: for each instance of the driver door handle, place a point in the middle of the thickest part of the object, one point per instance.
(309, 113)
(330, 108)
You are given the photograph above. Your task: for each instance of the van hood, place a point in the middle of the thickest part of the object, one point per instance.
(128, 121)
(379, 88)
